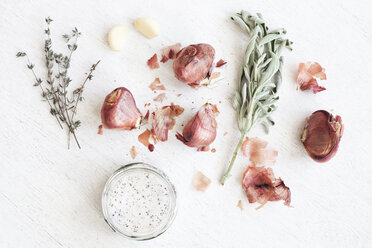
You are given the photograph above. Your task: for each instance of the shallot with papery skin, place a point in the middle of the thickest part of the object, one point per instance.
(201, 130)
(193, 63)
(119, 111)
(322, 135)
(261, 186)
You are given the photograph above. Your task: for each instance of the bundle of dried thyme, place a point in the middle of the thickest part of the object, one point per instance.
(54, 89)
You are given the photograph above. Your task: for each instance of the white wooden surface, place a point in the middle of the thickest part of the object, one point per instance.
(50, 196)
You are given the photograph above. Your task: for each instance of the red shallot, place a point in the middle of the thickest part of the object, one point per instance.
(261, 186)
(201, 130)
(119, 110)
(163, 120)
(322, 135)
(193, 63)
(307, 74)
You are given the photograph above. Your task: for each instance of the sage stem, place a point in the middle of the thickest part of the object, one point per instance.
(237, 148)
(247, 127)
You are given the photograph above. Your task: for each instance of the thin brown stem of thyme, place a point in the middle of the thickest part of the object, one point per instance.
(48, 53)
(43, 91)
(64, 88)
(68, 120)
(82, 88)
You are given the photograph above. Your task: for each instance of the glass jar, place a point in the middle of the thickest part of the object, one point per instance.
(139, 201)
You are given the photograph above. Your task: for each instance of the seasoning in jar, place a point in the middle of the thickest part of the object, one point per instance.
(139, 201)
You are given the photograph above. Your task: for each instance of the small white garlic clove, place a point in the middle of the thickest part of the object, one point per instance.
(147, 26)
(116, 37)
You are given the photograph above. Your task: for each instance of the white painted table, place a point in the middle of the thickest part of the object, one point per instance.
(50, 196)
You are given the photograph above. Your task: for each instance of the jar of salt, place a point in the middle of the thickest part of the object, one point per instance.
(139, 201)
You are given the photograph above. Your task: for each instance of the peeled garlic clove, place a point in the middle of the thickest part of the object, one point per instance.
(201, 130)
(116, 37)
(119, 111)
(322, 135)
(147, 26)
(193, 63)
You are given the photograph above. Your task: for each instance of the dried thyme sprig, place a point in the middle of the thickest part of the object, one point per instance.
(259, 78)
(77, 96)
(55, 89)
(49, 62)
(63, 63)
(38, 82)
(79, 91)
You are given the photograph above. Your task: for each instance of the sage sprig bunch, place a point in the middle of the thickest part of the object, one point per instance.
(260, 77)
(54, 89)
